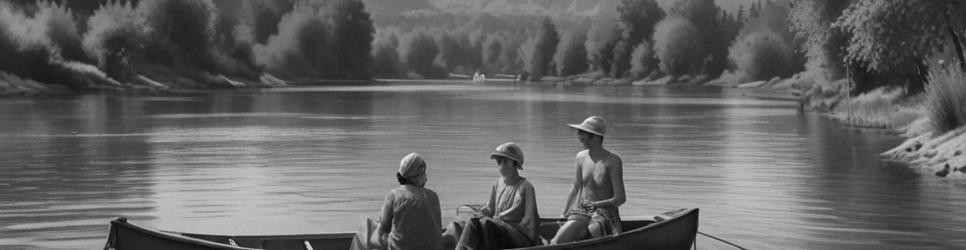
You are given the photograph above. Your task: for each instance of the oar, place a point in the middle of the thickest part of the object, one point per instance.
(718, 239)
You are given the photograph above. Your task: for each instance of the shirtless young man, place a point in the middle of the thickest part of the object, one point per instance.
(598, 188)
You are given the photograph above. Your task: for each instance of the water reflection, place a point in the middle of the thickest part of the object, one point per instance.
(320, 159)
(61, 176)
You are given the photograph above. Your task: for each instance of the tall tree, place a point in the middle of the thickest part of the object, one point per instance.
(181, 32)
(677, 43)
(491, 52)
(601, 39)
(352, 34)
(636, 20)
(894, 36)
(544, 46)
(571, 57)
(709, 53)
(419, 50)
(886, 34)
(450, 55)
(824, 45)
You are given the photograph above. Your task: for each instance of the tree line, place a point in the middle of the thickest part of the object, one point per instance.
(692, 38)
(186, 43)
(872, 43)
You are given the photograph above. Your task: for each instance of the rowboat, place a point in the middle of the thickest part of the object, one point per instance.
(674, 229)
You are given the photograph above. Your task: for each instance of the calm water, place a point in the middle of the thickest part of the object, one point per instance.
(320, 159)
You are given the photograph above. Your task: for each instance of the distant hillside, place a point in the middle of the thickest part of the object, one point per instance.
(563, 9)
(556, 8)
(393, 7)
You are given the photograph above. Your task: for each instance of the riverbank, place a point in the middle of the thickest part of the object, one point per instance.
(94, 80)
(925, 150)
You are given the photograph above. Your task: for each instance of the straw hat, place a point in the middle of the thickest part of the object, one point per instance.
(594, 125)
(412, 165)
(511, 151)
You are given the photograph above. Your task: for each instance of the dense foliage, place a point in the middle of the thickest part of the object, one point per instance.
(876, 43)
(765, 47)
(540, 50)
(636, 21)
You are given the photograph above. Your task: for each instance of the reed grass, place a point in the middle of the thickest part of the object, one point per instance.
(946, 99)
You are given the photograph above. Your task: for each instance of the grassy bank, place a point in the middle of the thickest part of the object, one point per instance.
(937, 140)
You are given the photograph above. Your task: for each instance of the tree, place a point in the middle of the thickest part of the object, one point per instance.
(677, 43)
(894, 37)
(116, 39)
(450, 55)
(765, 47)
(824, 45)
(541, 50)
(636, 20)
(352, 34)
(262, 17)
(491, 52)
(571, 57)
(419, 50)
(643, 61)
(181, 32)
(710, 54)
(601, 39)
(887, 34)
(385, 58)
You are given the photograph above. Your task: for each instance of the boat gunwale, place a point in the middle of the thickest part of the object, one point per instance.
(193, 238)
(154, 232)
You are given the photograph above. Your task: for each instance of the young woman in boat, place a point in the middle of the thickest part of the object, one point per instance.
(598, 187)
(509, 219)
(410, 214)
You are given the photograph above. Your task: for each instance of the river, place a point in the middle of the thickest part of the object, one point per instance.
(320, 159)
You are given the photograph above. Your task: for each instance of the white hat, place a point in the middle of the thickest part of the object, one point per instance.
(594, 125)
(412, 165)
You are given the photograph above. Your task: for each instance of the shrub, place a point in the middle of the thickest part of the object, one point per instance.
(944, 103)
(763, 54)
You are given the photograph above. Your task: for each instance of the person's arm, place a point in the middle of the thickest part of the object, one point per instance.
(531, 218)
(437, 213)
(616, 175)
(490, 206)
(378, 238)
(575, 189)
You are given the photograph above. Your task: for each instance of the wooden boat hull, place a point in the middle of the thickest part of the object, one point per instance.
(677, 231)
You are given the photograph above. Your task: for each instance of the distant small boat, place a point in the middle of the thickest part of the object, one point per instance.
(675, 229)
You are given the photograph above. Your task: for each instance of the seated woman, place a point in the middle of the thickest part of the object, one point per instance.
(410, 214)
(510, 218)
